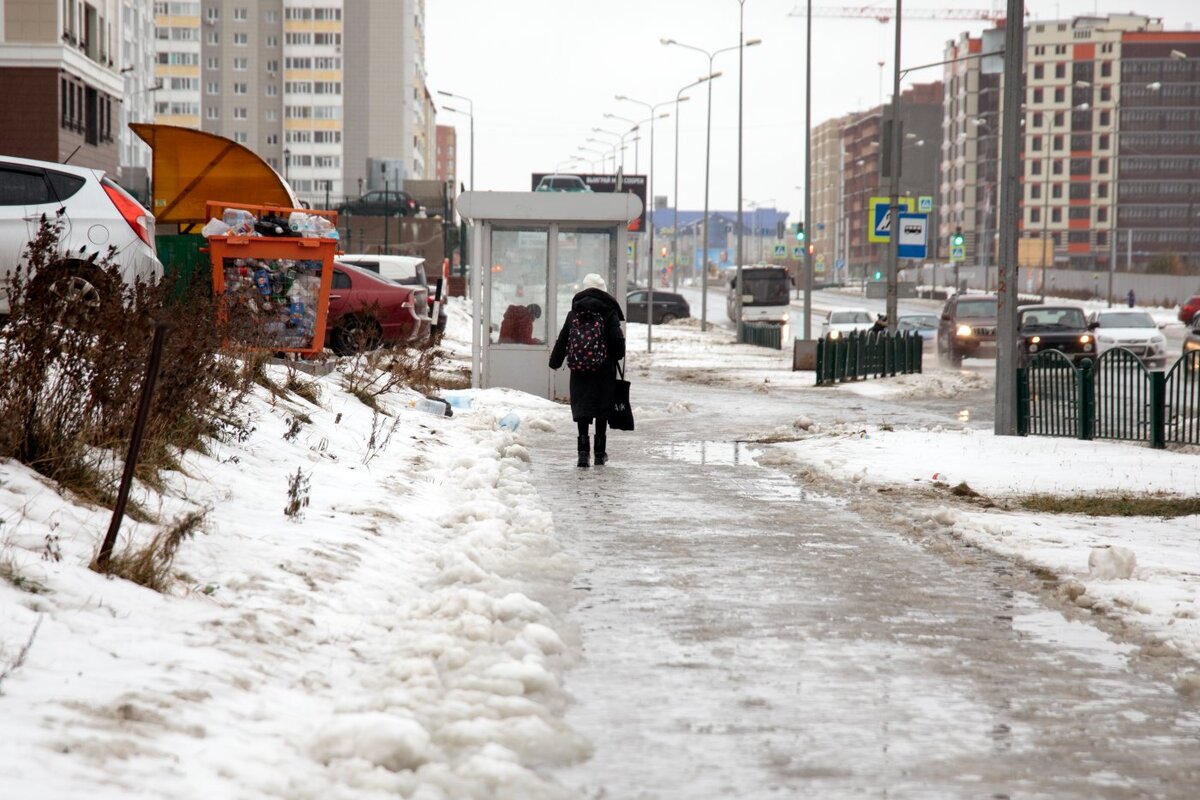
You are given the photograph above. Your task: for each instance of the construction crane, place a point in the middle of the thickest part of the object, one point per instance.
(884, 14)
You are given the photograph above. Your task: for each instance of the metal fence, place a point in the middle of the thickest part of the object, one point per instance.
(760, 335)
(1115, 397)
(861, 354)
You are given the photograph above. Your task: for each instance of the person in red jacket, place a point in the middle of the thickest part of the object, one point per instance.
(517, 325)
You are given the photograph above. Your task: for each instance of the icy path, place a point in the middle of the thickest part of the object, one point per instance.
(746, 639)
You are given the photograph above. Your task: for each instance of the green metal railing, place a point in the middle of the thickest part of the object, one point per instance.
(1115, 397)
(1181, 400)
(861, 354)
(762, 335)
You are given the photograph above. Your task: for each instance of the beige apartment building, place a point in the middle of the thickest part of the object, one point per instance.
(283, 76)
(826, 229)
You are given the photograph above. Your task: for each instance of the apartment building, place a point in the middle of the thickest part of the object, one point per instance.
(283, 76)
(1110, 154)
(446, 157)
(864, 176)
(60, 68)
(825, 229)
(137, 69)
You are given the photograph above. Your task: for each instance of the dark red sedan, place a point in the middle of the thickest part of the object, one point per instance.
(367, 311)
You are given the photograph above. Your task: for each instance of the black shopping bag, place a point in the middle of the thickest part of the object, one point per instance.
(621, 416)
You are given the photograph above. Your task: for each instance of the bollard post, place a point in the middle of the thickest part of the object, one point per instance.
(1158, 410)
(1085, 415)
(135, 443)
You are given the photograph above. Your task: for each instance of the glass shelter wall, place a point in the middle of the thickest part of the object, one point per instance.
(519, 291)
(579, 253)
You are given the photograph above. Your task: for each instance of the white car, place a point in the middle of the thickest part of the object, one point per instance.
(844, 320)
(1133, 330)
(97, 214)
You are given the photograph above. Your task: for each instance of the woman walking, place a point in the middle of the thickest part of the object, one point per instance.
(591, 342)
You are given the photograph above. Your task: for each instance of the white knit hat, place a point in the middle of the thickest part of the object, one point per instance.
(594, 281)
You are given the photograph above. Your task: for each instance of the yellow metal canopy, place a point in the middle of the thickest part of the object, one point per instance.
(191, 167)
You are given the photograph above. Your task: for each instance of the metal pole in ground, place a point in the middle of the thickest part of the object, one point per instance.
(1010, 196)
(808, 273)
(135, 444)
(893, 247)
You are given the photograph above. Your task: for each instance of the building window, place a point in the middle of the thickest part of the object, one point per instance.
(271, 115)
(1101, 238)
(212, 87)
(272, 67)
(1037, 118)
(1102, 214)
(1056, 215)
(1101, 166)
(241, 39)
(240, 137)
(1105, 118)
(272, 138)
(1105, 69)
(212, 62)
(1058, 119)
(1035, 168)
(1056, 191)
(241, 64)
(239, 88)
(213, 13)
(272, 90)
(1060, 71)
(1035, 191)
(1035, 144)
(1102, 190)
(1058, 142)
(273, 42)
(1037, 96)
(240, 113)
(1105, 95)
(210, 112)
(213, 38)
(240, 14)
(272, 17)
(1056, 166)
(1038, 73)
(1035, 214)
(1060, 94)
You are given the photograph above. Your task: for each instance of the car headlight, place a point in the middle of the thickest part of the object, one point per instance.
(1035, 340)
(835, 334)
(1085, 339)
(963, 330)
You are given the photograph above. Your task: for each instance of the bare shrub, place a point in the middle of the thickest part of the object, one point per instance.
(378, 372)
(298, 486)
(72, 368)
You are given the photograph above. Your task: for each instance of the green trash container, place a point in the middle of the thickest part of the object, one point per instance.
(183, 262)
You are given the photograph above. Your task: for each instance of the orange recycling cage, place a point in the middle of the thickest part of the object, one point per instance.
(276, 288)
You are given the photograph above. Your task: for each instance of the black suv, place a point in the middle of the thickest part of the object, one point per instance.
(967, 328)
(668, 306)
(1061, 328)
(381, 204)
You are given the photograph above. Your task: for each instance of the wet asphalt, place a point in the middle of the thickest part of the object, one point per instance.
(746, 637)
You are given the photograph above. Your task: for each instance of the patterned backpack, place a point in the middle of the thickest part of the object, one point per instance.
(587, 349)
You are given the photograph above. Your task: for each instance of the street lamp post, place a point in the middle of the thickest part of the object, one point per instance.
(653, 109)
(679, 98)
(741, 73)
(619, 143)
(287, 166)
(470, 112)
(707, 164)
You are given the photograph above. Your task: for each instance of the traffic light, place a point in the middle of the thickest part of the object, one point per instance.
(799, 231)
(878, 275)
(812, 248)
(957, 239)
(663, 251)
(780, 229)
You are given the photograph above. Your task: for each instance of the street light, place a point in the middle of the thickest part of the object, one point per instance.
(742, 45)
(679, 98)
(470, 112)
(653, 109)
(707, 164)
(287, 163)
(620, 140)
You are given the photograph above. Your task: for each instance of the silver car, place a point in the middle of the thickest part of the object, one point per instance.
(96, 214)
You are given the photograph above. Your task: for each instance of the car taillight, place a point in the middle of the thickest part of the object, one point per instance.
(141, 220)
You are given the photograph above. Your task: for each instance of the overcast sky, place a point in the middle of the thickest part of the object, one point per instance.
(543, 73)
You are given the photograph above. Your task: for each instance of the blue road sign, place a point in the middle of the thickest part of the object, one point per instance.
(912, 241)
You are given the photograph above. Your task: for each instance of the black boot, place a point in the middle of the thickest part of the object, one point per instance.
(601, 449)
(583, 451)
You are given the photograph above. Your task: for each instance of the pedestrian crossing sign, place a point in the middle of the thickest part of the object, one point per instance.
(958, 252)
(880, 220)
(797, 251)
(781, 250)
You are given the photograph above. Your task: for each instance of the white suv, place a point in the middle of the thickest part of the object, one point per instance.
(97, 214)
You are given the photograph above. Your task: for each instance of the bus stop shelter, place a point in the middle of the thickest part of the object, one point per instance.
(532, 251)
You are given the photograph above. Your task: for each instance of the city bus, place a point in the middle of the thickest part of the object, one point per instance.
(765, 295)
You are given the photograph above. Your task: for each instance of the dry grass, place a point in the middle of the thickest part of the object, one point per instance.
(1113, 505)
(150, 564)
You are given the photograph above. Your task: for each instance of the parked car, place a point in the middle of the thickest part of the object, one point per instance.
(562, 183)
(1061, 328)
(1189, 308)
(367, 311)
(406, 271)
(381, 204)
(668, 306)
(1135, 331)
(967, 328)
(924, 324)
(842, 321)
(1191, 340)
(97, 215)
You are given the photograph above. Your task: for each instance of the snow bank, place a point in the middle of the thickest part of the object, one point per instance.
(402, 638)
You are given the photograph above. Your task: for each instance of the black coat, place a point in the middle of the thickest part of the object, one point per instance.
(592, 392)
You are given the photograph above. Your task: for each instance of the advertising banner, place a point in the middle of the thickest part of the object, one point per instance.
(634, 184)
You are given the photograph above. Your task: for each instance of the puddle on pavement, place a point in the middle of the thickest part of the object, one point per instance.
(1075, 637)
(720, 454)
